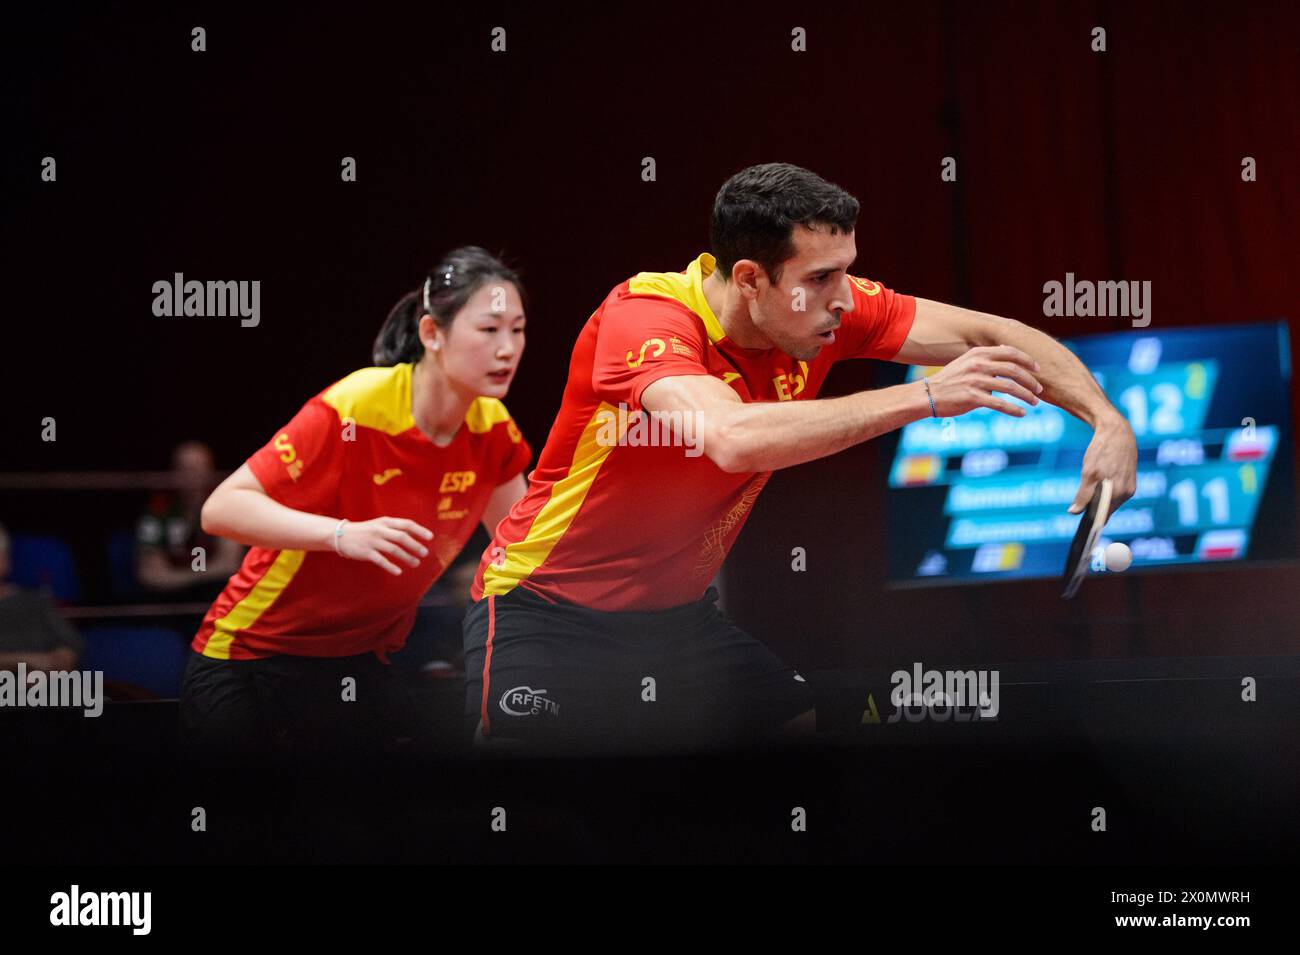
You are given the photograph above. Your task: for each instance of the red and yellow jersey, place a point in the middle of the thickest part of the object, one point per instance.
(354, 452)
(613, 521)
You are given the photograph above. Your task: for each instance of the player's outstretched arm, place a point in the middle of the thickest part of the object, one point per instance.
(762, 436)
(941, 333)
(241, 510)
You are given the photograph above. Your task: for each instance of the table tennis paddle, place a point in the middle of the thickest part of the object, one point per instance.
(1085, 538)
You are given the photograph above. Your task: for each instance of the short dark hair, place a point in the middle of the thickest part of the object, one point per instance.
(756, 210)
(448, 286)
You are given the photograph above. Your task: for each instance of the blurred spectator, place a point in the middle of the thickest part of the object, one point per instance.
(31, 631)
(170, 530)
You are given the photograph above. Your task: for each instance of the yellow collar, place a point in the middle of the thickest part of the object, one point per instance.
(687, 289)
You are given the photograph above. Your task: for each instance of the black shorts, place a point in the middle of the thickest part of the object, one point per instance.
(289, 705)
(557, 673)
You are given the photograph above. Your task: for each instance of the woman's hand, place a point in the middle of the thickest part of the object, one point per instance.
(384, 537)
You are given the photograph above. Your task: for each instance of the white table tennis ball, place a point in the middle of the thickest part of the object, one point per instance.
(1118, 556)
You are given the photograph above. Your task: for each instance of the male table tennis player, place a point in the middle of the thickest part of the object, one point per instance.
(593, 622)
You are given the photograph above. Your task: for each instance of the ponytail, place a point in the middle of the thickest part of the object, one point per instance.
(399, 340)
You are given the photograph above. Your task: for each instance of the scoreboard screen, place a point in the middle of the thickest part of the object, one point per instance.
(984, 495)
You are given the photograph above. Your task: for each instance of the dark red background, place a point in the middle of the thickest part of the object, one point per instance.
(225, 165)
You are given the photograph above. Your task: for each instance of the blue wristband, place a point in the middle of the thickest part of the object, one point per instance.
(933, 412)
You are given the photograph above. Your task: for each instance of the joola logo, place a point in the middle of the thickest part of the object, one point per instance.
(525, 701)
(961, 695)
(659, 347)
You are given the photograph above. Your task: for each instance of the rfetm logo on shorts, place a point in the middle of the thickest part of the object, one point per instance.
(525, 701)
